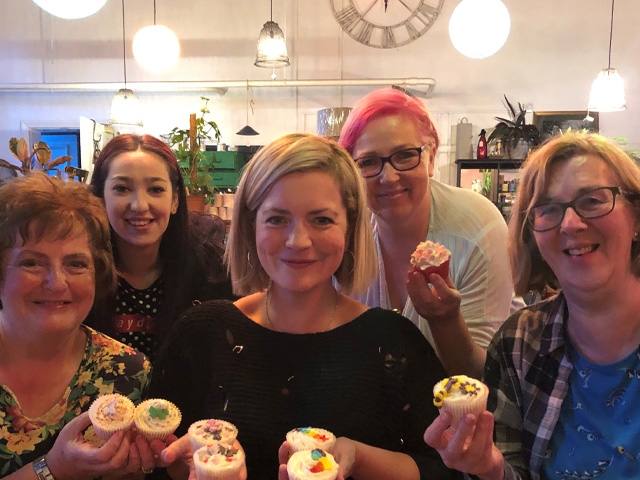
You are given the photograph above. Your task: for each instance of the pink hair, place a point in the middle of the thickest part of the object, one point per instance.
(381, 103)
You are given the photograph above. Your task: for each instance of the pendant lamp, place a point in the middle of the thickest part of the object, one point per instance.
(125, 107)
(272, 47)
(70, 9)
(247, 130)
(156, 47)
(607, 90)
(479, 28)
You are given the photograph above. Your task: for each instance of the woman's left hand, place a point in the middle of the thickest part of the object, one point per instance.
(438, 303)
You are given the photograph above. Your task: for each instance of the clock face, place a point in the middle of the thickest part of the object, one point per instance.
(386, 23)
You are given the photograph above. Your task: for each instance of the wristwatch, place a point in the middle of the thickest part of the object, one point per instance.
(42, 469)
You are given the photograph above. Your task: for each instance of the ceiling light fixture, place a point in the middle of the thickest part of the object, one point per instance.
(272, 47)
(125, 107)
(247, 130)
(479, 28)
(156, 47)
(607, 90)
(70, 9)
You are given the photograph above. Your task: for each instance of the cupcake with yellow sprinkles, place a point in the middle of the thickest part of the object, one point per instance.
(459, 395)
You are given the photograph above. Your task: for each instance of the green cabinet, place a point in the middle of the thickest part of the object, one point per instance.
(227, 166)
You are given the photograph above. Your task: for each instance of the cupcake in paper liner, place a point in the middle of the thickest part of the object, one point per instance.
(314, 464)
(218, 462)
(157, 418)
(110, 414)
(431, 257)
(459, 395)
(308, 438)
(210, 431)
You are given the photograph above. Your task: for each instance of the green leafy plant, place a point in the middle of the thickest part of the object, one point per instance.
(515, 128)
(486, 182)
(39, 158)
(197, 169)
(622, 143)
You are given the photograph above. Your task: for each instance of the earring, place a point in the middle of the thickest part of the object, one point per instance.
(635, 236)
(249, 256)
(344, 261)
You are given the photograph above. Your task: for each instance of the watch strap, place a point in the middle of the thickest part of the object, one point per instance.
(42, 469)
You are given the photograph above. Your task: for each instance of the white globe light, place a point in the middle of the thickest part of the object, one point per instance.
(479, 28)
(156, 48)
(71, 9)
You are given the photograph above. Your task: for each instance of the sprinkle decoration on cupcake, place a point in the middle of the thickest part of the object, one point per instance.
(111, 413)
(431, 257)
(312, 464)
(459, 395)
(157, 418)
(308, 438)
(218, 462)
(209, 431)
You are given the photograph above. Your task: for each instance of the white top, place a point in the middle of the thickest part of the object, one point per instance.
(475, 232)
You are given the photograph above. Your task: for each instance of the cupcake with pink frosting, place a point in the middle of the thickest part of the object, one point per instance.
(431, 257)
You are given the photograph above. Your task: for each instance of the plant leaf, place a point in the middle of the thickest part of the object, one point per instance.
(57, 162)
(43, 153)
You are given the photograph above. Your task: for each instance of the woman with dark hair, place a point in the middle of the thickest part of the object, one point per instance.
(163, 267)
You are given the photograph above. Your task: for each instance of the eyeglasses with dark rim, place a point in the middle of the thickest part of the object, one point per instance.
(595, 203)
(402, 160)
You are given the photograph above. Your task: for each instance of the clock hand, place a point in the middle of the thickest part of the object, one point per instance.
(385, 5)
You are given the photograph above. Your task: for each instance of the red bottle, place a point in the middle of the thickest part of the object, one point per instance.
(482, 145)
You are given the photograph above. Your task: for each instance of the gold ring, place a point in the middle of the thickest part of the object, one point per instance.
(147, 471)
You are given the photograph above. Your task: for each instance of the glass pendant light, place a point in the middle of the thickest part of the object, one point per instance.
(272, 47)
(607, 90)
(156, 47)
(479, 28)
(125, 107)
(70, 9)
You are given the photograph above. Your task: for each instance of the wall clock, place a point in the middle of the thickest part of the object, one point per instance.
(386, 23)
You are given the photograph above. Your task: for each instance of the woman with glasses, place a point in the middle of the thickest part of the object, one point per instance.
(55, 259)
(393, 140)
(564, 374)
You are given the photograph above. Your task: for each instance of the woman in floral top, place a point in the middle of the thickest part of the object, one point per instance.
(55, 258)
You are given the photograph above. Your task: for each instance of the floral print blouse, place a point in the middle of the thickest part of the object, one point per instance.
(108, 366)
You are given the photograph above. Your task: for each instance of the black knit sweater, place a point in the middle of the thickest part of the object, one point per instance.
(370, 380)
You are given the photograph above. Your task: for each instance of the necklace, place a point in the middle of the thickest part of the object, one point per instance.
(333, 312)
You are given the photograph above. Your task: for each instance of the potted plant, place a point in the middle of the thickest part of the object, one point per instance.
(197, 168)
(39, 158)
(515, 131)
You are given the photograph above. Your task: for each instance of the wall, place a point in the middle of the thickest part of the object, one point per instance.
(554, 51)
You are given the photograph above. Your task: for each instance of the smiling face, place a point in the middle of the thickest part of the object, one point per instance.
(139, 198)
(48, 285)
(301, 230)
(396, 197)
(587, 255)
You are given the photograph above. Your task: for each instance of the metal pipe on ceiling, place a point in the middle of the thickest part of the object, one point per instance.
(221, 87)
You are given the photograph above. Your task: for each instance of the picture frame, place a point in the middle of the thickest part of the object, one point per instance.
(552, 123)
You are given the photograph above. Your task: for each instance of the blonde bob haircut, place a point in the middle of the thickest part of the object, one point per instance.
(530, 271)
(294, 153)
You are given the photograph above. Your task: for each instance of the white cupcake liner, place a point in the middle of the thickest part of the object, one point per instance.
(213, 471)
(473, 405)
(299, 441)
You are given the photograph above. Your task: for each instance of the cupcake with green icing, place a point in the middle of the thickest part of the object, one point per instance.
(157, 418)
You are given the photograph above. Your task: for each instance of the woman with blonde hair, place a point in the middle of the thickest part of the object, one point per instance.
(295, 351)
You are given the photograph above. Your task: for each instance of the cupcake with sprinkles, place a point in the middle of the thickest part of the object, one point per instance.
(210, 431)
(459, 395)
(110, 414)
(308, 438)
(431, 257)
(157, 418)
(312, 464)
(218, 462)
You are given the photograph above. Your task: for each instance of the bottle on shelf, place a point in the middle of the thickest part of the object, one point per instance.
(482, 145)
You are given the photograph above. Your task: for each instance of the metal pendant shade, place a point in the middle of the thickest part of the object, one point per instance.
(607, 91)
(125, 107)
(247, 130)
(272, 47)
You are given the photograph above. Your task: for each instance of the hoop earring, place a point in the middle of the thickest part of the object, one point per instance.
(344, 261)
(249, 256)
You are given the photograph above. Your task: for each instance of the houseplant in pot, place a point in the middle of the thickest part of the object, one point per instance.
(516, 135)
(197, 168)
(39, 158)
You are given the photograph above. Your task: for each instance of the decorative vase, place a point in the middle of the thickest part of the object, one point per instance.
(196, 203)
(520, 151)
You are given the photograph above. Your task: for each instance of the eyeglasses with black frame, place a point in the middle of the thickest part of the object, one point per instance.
(402, 160)
(595, 203)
